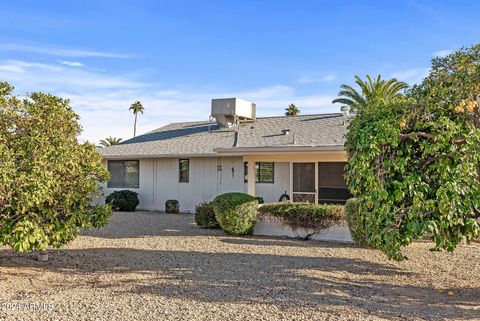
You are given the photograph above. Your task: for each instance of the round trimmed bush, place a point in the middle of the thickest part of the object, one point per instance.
(355, 223)
(205, 215)
(236, 213)
(125, 201)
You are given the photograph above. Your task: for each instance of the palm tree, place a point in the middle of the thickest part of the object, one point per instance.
(137, 107)
(372, 90)
(292, 110)
(110, 141)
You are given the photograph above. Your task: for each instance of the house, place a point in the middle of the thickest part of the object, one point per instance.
(234, 151)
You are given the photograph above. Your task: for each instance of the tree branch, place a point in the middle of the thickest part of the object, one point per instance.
(417, 134)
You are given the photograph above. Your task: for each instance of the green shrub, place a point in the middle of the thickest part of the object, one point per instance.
(236, 213)
(124, 200)
(172, 207)
(355, 223)
(205, 215)
(304, 215)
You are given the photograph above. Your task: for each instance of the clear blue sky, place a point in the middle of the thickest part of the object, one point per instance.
(175, 56)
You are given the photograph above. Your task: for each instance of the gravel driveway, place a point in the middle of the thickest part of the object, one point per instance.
(147, 266)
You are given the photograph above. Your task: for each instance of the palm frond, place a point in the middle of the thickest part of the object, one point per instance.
(371, 90)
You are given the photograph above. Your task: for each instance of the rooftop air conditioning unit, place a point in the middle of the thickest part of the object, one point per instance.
(231, 111)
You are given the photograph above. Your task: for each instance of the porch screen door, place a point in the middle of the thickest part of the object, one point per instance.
(331, 183)
(304, 182)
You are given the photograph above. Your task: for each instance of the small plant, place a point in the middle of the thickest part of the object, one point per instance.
(260, 199)
(125, 201)
(304, 215)
(205, 215)
(355, 223)
(236, 213)
(172, 207)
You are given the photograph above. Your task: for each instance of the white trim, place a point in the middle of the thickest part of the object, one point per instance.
(291, 181)
(316, 182)
(251, 178)
(236, 151)
(128, 157)
(278, 150)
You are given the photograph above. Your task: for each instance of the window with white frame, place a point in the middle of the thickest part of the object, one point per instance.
(124, 174)
(265, 172)
(183, 170)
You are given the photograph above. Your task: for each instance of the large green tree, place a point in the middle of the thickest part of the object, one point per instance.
(47, 178)
(371, 91)
(136, 107)
(413, 162)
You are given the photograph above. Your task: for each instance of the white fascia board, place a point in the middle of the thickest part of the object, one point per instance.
(278, 150)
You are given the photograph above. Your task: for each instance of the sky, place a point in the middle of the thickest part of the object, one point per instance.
(175, 56)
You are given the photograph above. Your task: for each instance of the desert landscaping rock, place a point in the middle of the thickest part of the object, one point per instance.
(151, 266)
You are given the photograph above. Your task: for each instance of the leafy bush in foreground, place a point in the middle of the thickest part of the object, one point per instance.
(47, 178)
(125, 201)
(236, 213)
(413, 162)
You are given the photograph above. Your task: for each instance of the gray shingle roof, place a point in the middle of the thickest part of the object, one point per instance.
(194, 138)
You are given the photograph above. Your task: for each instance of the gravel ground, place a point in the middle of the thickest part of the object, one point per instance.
(145, 266)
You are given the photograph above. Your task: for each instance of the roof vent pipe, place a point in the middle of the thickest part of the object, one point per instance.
(345, 110)
(346, 114)
(235, 137)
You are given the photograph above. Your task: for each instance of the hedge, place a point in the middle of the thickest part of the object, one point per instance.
(236, 213)
(304, 215)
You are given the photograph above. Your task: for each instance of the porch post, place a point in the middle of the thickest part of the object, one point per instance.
(291, 181)
(316, 182)
(251, 177)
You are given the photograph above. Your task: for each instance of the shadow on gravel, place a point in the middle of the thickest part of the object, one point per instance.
(279, 241)
(285, 281)
(145, 224)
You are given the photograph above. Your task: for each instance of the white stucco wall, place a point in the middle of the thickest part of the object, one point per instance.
(272, 192)
(158, 182)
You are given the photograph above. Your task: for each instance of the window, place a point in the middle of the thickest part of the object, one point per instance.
(265, 172)
(124, 174)
(183, 170)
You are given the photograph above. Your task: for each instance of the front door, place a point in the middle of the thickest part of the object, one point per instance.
(304, 182)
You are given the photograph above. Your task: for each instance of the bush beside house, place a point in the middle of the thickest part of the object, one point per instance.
(236, 213)
(205, 215)
(125, 201)
(304, 215)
